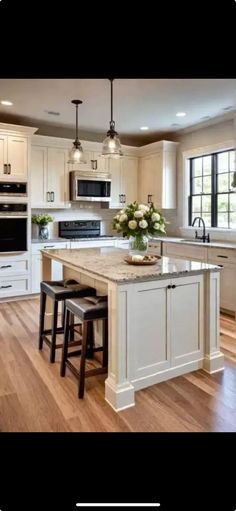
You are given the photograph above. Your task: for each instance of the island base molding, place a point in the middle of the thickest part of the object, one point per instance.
(213, 363)
(119, 397)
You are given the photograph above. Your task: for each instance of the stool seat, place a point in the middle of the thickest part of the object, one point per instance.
(87, 308)
(59, 290)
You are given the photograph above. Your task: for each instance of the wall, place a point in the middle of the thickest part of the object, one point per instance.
(203, 137)
(85, 212)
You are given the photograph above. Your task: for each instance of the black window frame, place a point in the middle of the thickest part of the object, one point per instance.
(214, 189)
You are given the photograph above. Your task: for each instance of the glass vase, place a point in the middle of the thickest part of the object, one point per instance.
(138, 245)
(43, 232)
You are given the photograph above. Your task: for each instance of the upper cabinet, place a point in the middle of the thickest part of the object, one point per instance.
(13, 157)
(49, 172)
(124, 180)
(157, 174)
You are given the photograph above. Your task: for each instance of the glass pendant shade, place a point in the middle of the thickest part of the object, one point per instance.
(76, 153)
(111, 145)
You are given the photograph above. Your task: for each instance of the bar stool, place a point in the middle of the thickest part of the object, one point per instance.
(58, 291)
(87, 309)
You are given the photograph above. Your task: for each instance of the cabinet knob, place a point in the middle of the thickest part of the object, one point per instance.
(173, 287)
(169, 287)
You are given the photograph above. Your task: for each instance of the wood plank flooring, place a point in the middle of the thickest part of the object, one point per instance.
(33, 397)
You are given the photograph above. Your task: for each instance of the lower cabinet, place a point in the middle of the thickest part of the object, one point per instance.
(36, 264)
(171, 313)
(14, 275)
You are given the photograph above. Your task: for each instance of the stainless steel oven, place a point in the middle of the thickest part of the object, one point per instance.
(13, 227)
(13, 189)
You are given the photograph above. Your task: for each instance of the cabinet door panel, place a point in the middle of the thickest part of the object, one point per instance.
(38, 176)
(150, 183)
(56, 175)
(186, 319)
(152, 339)
(129, 179)
(115, 170)
(17, 156)
(3, 154)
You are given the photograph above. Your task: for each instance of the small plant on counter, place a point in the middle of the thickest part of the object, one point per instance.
(139, 221)
(42, 219)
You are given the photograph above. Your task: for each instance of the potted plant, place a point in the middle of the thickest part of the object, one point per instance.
(139, 222)
(42, 221)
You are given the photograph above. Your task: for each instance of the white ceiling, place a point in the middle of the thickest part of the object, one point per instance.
(137, 102)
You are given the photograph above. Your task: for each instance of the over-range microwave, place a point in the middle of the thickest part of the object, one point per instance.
(90, 186)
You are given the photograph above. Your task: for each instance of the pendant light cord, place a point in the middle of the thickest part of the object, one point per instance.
(76, 128)
(111, 100)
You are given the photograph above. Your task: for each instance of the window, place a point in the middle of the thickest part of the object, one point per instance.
(211, 194)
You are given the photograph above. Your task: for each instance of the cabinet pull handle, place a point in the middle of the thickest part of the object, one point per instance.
(6, 266)
(119, 197)
(94, 164)
(5, 170)
(222, 256)
(52, 196)
(5, 287)
(48, 197)
(173, 287)
(9, 168)
(124, 198)
(149, 199)
(49, 246)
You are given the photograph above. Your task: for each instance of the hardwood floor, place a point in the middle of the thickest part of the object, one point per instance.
(33, 397)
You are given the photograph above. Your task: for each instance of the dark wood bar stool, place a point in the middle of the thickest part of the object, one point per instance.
(58, 291)
(87, 309)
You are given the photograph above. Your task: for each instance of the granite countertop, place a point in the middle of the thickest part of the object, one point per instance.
(182, 241)
(109, 263)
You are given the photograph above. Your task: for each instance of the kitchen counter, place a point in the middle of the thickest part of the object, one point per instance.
(51, 240)
(163, 320)
(191, 241)
(109, 264)
(58, 240)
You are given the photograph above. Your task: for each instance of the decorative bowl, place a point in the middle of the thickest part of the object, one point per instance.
(146, 261)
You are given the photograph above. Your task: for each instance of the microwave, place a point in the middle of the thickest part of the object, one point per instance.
(90, 186)
(13, 189)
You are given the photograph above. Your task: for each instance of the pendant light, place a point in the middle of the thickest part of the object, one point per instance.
(76, 153)
(111, 145)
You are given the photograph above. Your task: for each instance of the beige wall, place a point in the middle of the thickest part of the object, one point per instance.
(215, 134)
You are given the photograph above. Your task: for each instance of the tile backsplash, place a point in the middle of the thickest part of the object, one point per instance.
(77, 212)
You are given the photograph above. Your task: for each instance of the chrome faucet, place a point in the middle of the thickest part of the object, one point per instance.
(205, 237)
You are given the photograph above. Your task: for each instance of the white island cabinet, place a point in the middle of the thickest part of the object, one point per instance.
(163, 319)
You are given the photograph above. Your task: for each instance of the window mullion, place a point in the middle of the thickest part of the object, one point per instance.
(214, 190)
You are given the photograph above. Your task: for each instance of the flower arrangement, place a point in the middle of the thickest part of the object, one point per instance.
(42, 219)
(139, 221)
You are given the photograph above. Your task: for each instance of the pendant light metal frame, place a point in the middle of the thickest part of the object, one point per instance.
(77, 143)
(112, 134)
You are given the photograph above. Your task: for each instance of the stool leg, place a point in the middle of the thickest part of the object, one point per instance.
(90, 339)
(82, 360)
(63, 315)
(41, 318)
(72, 331)
(65, 343)
(54, 332)
(105, 343)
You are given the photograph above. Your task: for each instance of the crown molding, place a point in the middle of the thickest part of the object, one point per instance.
(154, 147)
(16, 129)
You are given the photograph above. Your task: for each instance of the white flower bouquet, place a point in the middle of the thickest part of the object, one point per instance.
(139, 221)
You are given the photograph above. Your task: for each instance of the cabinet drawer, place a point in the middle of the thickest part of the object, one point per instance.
(221, 255)
(36, 247)
(9, 267)
(13, 286)
(154, 248)
(184, 251)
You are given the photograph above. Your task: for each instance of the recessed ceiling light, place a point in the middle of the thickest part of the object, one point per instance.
(51, 112)
(180, 114)
(6, 103)
(144, 128)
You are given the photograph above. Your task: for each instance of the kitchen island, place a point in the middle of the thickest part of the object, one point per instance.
(163, 319)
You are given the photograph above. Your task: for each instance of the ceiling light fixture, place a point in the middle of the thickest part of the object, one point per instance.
(111, 145)
(144, 128)
(180, 114)
(6, 103)
(76, 153)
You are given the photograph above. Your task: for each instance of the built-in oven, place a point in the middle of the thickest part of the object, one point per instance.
(13, 227)
(13, 189)
(90, 186)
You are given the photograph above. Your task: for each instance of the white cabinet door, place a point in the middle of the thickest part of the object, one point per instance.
(38, 171)
(186, 319)
(129, 179)
(150, 180)
(3, 156)
(17, 148)
(102, 162)
(56, 176)
(36, 264)
(151, 333)
(36, 273)
(115, 166)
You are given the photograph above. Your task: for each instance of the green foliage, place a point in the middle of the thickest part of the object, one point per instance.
(42, 219)
(139, 220)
